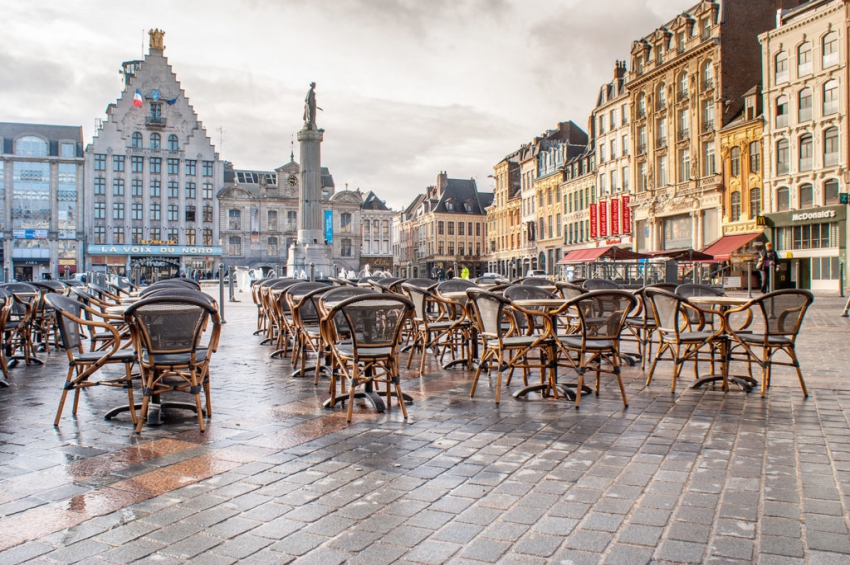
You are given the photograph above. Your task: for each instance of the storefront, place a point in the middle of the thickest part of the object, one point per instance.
(149, 263)
(813, 244)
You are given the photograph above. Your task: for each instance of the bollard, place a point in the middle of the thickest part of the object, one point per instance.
(230, 278)
(771, 278)
(797, 274)
(749, 279)
(312, 272)
(841, 279)
(221, 292)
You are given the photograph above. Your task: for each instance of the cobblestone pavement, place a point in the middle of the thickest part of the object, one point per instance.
(701, 476)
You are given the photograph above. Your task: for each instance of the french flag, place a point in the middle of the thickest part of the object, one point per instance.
(137, 98)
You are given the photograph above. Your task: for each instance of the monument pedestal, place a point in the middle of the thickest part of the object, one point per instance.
(301, 255)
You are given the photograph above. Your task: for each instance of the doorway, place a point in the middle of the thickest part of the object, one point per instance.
(23, 273)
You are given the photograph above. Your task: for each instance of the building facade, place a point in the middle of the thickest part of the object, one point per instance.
(581, 219)
(504, 221)
(41, 200)
(805, 94)
(376, 234)
(151, 177)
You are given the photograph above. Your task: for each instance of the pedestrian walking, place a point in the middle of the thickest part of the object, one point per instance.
(768, 261)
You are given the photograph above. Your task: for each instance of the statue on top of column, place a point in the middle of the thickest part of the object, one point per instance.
(310, 106)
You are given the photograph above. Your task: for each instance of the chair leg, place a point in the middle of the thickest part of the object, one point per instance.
(677, 367)
(196, 386)
(146, 400)
(499, 379)
(661, 349)
(351, 387)
(580, 381)
(129, 375)
(796, 364)
(64, 396)
(765, 371)
(484, 358)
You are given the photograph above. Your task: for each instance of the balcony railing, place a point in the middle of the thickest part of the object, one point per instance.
(707, 126)
(681, 96)
(151, 121)
(641, 149)
(661, 142)
(830, 159)
(708, 84)
(641, 113)
(660, 105)
(806, 164)
(684, 134)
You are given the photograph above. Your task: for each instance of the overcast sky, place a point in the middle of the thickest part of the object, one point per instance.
(408, 87)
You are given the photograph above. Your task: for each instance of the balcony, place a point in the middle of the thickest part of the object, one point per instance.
(661, 142)
(707, 84)
(830, 159)
(806, 164)
(153, 122)
(682, 96)
(641, 149)
(708, 126)
(641, 113)
(660, 105)
(684, 134)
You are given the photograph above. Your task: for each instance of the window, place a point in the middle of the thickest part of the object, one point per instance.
(172, 234)
(208, 213)
(830, 192)
(118, 235)
(707, 115)
(156, 141)
(345, 222)
(118, 211)
(626, 183)
(156, 188)
(235, 245)
(661, 132)
(708, 158)
(806, 152)
(118, 187)
(804, 107)
(624, 114)
(271, 220)
(614, 148)
(118, 163)
(783, 199)
(612, 118)
(735, 207)
(441, 248)
(806, 195)
(661, 96)
(272, 246)
(156, 233)
(137, 164)
(234, 218)
(659, 54)
(156, 212)
(156, 165)
(642, 180)
(682, 87)
(601, 121)
(680, 41)
(99, 161)
(190, 237)
(662, 170)
(601, 154)
(460, 248)
(624, 143)
(451, 228)
(804, 59)
(829, 52)
(191, 167)
(173, 189)
(387, 230)
(780, 67)
(641, 148)
(136, 236)
(173, 144)
(705, 28)
(174, 166)
(603, 189)
(191, 192)
(684, 124)
(614, 183)
(208, 168)
(100, 210)
(478, 229)
(782, 111)
(137, 210)
(460, 228)
(99, 235)
(735, 163)
(782, 157)
(755, 202)
(641, 105)
(208, 237)
(136, 139)
(156, 114)
(684, 165)
(830, 98)
(708, 76)
(639, 65)
(755, 156)
(172, 213)
(830, 147)
(100, 186)
(190, 213)
(451, 248)
(208, 191)
(345, 248)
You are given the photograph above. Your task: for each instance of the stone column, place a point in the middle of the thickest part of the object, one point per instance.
(310, 228)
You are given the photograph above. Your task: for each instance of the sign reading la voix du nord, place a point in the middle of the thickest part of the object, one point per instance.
(154, 250)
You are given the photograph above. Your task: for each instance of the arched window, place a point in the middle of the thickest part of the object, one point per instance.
(641, 105)
(156, 141)
(661, 96)
(173, 144)
(782, 157)
(804, 105)
(137, 139)
(805, 152)
(804, 59)
(735, 207)
(782, 111)
(683, 86)
(755, 202)
(830, 192)
(830, 98)
(829, 49)
(830, 147)
(708, 75)
(783, 199)
(780, 67)
(31, 146)
(806, 195)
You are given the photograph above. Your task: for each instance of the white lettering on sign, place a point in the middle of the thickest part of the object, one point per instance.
(812, 215)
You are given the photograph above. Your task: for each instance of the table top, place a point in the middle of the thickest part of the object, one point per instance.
(719, 300)
(545, 302)
(458, 295)
(119, 309)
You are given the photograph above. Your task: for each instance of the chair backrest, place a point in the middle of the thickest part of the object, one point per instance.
(422, 283)
(783, 311)
(68, 312)
(373, 321)
(690, 289)
(669, 310)
(664, 286)
(25, 295)
(340, 293)
(599, 284)
(73, 282)
(602, 313)
(536, 281)
(527, 292)
(49, 286)
(170, 324)
(183, 293)
(488, 309)
(569, 290)
(6, 302)
(419, 296)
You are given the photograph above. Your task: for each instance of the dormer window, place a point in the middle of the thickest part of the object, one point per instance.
(450, 206)
(468, 207)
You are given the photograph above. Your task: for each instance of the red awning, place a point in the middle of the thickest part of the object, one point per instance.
(725, 246)
(684, 255)
(613, 253)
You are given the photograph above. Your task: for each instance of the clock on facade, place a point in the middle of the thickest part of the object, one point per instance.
(292, 180)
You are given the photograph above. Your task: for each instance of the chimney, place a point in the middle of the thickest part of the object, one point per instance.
(619, 70)
(442, 183)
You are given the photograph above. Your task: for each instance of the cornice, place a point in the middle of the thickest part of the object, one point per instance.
(687, 56)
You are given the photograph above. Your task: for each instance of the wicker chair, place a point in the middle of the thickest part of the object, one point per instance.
(6, 302)
(778, 317)
(167, 335)
(302, 322)
(599, 284)
(457, 338)
(20, 325)
(426, 324)
(97, 309)
(373, 323)
(83, 365)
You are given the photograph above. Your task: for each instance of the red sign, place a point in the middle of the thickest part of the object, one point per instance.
(593, 232)
(603, 219)
(627, 214)
(615, 216)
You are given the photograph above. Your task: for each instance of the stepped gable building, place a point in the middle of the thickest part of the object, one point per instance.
(581, 212)
(376, 238)
(687, 81)
(151, 177)
(41, 200)
(805, 169)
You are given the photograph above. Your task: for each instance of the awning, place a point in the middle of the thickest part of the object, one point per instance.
(725, 246)
(613, 253)
(681, 255)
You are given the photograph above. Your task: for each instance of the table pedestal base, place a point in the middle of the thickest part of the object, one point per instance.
(154, 410)
(745, 382)
(13, 360)
(371, 395)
